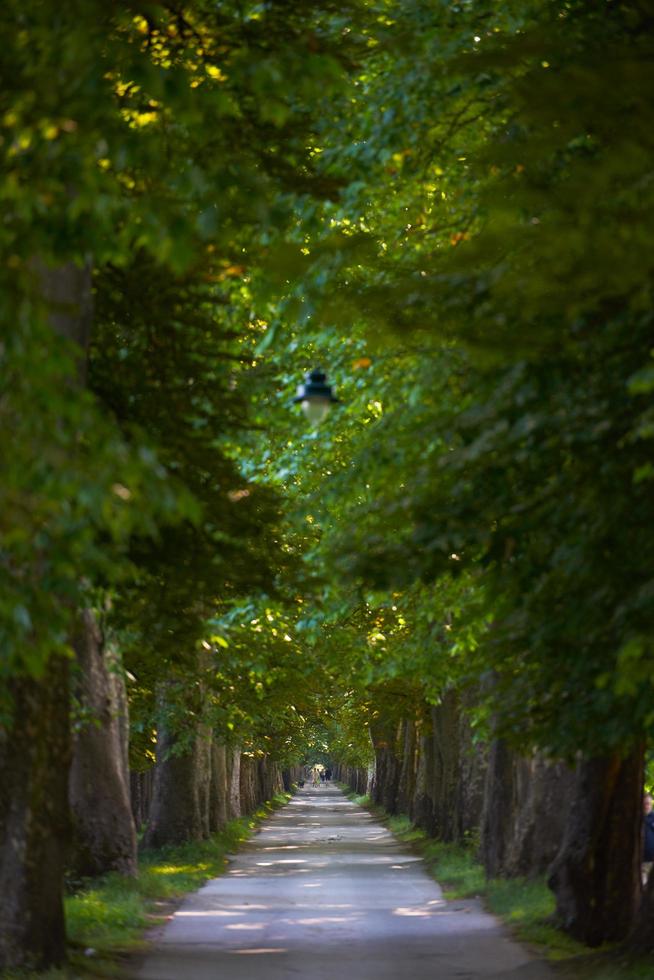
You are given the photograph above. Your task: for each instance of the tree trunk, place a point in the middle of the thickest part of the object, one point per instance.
(34, 820)
(596, 875)
(526, 804)
(219, 790)
(473, 763)
(499, 809)
(202, 767)
(118, 693)
(269, 780)
(445, 722)
(141, 785)
(104, 838)
(387, 765)
(247, 789)
(545, 791)
(176, 813)
(407, 780)
(423, 806)
(234, 783)
(35, 745)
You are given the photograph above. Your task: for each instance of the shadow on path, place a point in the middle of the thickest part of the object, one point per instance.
(323, 891)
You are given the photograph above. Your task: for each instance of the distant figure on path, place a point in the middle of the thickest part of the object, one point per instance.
(648, 836)
(316, 777)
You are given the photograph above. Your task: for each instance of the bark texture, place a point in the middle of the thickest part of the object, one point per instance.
(384, 738)
(407, 779)
(234, 783)
(423, 805)
(247, 790)
(34, 821)
(35, 746)
(544, 795)
(447, 819)
(219, 789)
(104, 837)
(526, 806)
(596, 875)
(179, 799)
(141, 790)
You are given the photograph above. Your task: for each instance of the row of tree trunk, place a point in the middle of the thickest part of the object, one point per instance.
(528, 816)
(69, 803)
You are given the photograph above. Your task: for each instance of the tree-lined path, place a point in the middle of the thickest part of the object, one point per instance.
(444, 594)
(325, 891)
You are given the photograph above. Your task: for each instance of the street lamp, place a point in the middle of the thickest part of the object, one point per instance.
(315, 396)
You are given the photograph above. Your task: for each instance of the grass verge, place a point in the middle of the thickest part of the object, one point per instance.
(525, 905)
(107, 919)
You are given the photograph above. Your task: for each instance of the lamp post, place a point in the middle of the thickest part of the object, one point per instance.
(315, 396)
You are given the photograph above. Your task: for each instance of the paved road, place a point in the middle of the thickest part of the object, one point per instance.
(323, 892)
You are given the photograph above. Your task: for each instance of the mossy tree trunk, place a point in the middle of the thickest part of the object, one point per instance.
(180, 799)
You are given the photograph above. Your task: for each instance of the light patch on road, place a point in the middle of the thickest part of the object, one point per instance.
(257, 952)
(270, 864)
(322, 920)
(414, 910)
(206, 913)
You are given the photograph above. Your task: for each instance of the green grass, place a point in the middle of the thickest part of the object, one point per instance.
(111, 916)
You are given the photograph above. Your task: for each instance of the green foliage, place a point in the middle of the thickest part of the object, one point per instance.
(443, 207)
(173, 154)
(72, 495)
(489, 305)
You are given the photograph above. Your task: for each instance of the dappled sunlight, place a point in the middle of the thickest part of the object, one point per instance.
(206, 913)
(177, 869)
(322, 920)
(352, 888)
(418, 911)
(269, 864)
(251, 907)
(264, 950)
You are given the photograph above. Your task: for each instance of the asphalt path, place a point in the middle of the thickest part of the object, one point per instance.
(324, 892)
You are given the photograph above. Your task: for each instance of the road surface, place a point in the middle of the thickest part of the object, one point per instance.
(324, 892)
